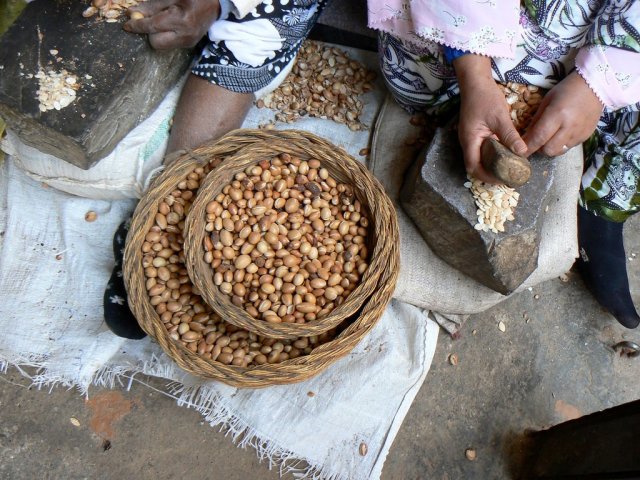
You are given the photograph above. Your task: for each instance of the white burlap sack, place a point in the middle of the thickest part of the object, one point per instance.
(53, 273)
(426, 280)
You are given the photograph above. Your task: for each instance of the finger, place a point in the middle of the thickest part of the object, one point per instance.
(559, 143)
(473, 165)
(471, 152)
(484, 175)
(164, 40)
(541, 132)
(510, 138)
(158, 23)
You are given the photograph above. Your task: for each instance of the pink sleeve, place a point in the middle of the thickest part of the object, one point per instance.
(486, 27)
(612, 73)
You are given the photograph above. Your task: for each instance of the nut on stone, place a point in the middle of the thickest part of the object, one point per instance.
(470, 453)
(111, 10)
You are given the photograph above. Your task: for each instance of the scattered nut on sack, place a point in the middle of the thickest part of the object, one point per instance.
(324, 83)
(363, 449)
(286, 241)
(185, 315)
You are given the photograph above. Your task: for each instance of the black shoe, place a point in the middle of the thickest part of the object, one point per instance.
(117, 314)
(602, 266)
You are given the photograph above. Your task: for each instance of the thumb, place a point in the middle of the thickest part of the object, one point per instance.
(511, 139)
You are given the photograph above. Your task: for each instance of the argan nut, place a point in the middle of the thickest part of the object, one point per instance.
(363, 449)
(470, 453)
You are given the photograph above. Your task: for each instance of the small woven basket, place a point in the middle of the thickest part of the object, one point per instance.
(352, 329)
(343, 169)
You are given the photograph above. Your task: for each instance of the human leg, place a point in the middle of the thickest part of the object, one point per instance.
(242, 56)
(206, 111)
(419, 78)
(609, 196)
(117, 314)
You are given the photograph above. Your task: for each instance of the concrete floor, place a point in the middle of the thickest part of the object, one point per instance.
(553, 362)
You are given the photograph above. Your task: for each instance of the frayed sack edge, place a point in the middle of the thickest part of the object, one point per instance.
(202, 399)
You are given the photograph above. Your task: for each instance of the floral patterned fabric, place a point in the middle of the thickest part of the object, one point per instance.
(489, 26)
(604, 35)
(549, 48)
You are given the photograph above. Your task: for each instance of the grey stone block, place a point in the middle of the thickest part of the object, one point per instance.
(443, 209)
(126, 80)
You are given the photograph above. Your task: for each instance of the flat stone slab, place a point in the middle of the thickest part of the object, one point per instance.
(121, 80)
(444, 211)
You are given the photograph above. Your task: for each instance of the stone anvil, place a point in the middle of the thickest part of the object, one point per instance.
(443, 209)
(121, 80)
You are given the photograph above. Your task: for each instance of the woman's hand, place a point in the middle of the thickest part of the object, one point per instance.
(174, 23)
(483, 113)
(567, 116)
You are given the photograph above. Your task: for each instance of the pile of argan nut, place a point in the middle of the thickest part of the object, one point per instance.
(287, 242)
(178, 304)
(324, 83)
(111, 10)
(56, 90)
(523, 101)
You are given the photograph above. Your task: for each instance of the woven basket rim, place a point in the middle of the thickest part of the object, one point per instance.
(380, 210)
(289, 371)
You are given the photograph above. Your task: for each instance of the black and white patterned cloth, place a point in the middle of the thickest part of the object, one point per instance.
(246, 54)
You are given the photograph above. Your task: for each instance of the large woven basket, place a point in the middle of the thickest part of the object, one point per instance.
(352, 329)
(342, 168)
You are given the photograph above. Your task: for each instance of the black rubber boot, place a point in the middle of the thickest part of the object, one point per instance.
(602, 266)
(117, 314)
